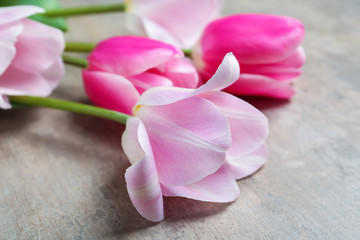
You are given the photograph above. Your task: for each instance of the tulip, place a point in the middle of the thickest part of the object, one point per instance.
(178, 22)
(192, 143)
(122, 68)
(30, 54)
(267, 48)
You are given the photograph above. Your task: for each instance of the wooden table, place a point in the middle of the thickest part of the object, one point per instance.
(62, 174)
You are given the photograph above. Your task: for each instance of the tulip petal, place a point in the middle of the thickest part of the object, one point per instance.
(217, 187)
(227, 73)
(182, 73)
(243, 166)
(38, 46)
(10, 14)
(127, 56)
(8, 37)
(258, 85)
(141, 178)
(110, 91)
(285, 70)
(249, 127)
(253, 38)
(179, 22)
(146, 80)
(188, 145)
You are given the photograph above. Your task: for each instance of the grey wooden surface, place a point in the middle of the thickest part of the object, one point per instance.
(62, 174)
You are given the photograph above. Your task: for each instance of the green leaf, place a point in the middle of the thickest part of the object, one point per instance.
(58, 22)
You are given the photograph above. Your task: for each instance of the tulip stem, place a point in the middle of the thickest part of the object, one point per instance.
(74, 11)
(80, 62)
(79, 46)
(70, 107)
(88, 47)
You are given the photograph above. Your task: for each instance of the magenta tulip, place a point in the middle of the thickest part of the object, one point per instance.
(122, 68)
(30, 54)
(178, 22)
(267, 48)
(192, 143)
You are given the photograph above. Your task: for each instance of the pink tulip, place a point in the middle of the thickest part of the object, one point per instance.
(267, 48)
(30, 54)
(192, 143)
(178, 22)
(122, 68)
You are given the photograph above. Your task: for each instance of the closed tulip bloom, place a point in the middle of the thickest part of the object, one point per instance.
(30, 54)
(192, 143)
(267, 48)
(178, 22)
(122, 68)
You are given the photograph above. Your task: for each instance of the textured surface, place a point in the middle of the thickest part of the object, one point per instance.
(62, 174)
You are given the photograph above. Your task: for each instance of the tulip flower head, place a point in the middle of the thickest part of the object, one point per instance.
(267, 48)
(192, 143)
(122, 68)
(30, 54)
(178, 22)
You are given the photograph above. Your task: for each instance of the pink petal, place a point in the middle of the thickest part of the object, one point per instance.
(8, 37)
(182, 73)
(178, 22)
(249, 127)
(243, 166)
(110, 91)
(146, 80)
(141, 178)
(226, 74)
(41, 42)
(189, 139)
(258, 85)
(217, 187)
(10, 14)
(285, 70)
(127, 56)
(253, 38)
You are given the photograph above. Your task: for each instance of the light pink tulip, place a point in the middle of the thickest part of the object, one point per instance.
(178, 22)
(122, 68)
(267, 48)
(192, 143)
(30, 54)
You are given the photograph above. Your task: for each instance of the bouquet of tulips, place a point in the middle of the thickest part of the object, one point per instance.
(175, 84)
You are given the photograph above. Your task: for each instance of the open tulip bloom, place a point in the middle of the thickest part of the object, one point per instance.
(30, 54)
(192, 143)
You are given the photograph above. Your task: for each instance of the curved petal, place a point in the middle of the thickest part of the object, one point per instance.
(10, 14)
(141, 178)
(243, 166)
(8, 37)
(284, 70)
(217, 187)
(249, 127)
(178, 22)
(37, 41)
(226, 74)
(110, 91)
(146, 80)
(129, 56)
(258, 85)
(253, 38)
(182, 73)
(189, 139)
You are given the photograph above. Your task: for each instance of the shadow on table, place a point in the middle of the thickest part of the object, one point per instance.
(263, 103)
(13, 120)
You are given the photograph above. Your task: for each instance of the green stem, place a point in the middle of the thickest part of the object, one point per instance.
(79, 46)
(80, 62)
(70, 107)
(88, 47)
(73, 11)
